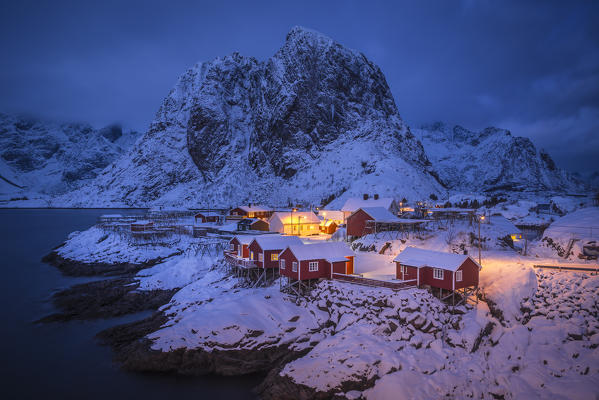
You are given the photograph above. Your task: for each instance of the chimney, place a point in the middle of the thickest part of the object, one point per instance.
(249, 205)
(365, 196)
(376, 196)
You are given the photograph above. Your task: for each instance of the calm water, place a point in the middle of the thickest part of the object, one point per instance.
(63, 360)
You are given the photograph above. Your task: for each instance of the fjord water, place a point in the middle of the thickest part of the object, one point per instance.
(64, 360)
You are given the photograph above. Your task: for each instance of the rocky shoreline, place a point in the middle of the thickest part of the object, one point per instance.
(76, 268)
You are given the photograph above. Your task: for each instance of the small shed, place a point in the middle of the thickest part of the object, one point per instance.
(301, 223)
(328, 226)
(142, 226)
(252, 224)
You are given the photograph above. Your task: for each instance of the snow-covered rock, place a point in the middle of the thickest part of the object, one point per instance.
(39, 157)
(491, 160)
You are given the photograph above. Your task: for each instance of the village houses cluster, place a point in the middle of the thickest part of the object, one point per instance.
(268, 245)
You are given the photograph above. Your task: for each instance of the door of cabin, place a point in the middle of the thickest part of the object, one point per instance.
(349, 265)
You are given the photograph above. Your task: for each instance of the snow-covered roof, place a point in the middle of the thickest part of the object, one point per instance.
(328, 222)
(331, 214)
(504, 224)
(419, 258)
(353, 203)
(380, 214)
(254, 208)
(277, 242)
(330, 251)
(111, 216)
(289, 218)
(244, 239)
(209, 213)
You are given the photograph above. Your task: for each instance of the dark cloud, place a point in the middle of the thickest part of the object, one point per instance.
(532, 67)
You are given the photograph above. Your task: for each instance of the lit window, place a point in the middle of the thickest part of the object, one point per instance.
(274, 257)
(458, 276)
(313, 266)
(294, 266)
(437, 273)
(260, 257)
(282, 263)
(252, 255)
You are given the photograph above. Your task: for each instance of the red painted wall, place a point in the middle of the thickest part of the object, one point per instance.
(356, 223)
(426, 278)
(255, 247)
(469, 274)
(235, 243)
(267, 263)
(289, 258)
(340, 267)
(411, 272)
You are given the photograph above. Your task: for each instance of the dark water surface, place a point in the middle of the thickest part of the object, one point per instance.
(63, 360)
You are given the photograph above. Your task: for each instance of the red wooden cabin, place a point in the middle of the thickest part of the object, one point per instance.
(437, 269)
(264, 250)
(240, 246)
(356, 222)
(316, 261)
(207, 216)
(250, 211)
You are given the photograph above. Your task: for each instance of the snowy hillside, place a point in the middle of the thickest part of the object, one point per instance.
(40, 157)
(315, 121)
(492, 159)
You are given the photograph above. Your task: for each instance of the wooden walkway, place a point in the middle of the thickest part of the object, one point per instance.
(572, 267)
(375, 282)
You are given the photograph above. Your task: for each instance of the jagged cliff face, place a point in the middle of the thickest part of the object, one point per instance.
(492, 159)
(48, 157)
(315, 120)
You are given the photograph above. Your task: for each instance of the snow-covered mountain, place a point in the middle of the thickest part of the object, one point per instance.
(491, 160)
(39, 157)
(314, 121)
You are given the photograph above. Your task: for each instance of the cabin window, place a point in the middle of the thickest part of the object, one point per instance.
(260, 257)
(282, 264)
(274, 257)
(294, 266)
(252, 255)
(458, 276)
(402, 269)
(232, 247)
(239, 250)
(437, 273)
(313, 266)
(251, 215)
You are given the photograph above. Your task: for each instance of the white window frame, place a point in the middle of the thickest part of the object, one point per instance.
(240, 250)
(274, 257)
(232, 246)
(458, 276)
(282, 263)
(294, 266)
(313, 266)
(260, 257)
(438, 273)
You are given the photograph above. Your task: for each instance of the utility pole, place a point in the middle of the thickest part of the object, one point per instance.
(482, 217)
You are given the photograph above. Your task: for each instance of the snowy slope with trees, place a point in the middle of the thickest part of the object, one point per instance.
(47, 158)
(491, 160)
(315, 121)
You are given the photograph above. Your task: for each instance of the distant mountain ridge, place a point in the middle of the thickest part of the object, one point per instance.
(315, 121)
(49, 158)
(491, 160)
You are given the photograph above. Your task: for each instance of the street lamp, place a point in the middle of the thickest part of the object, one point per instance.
(481, 218)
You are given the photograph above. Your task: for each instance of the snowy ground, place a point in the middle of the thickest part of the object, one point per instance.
(96, 245)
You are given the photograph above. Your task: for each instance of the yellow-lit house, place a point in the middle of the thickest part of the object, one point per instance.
(295, 223)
